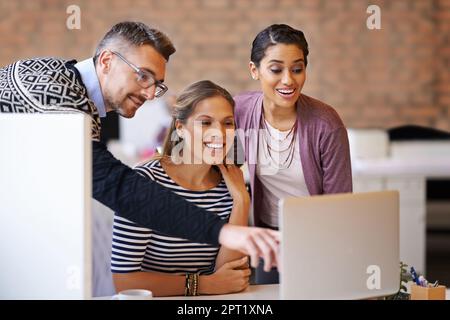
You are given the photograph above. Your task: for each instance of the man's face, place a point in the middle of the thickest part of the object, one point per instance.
(121, 91)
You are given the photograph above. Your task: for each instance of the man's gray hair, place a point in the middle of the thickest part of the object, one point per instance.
(129, 33)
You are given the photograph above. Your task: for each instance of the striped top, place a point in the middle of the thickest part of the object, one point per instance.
(140, 249)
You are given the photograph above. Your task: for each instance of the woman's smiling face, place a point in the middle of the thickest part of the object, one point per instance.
(282, 74)
(209, 131)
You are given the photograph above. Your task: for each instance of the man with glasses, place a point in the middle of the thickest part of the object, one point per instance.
(145, 78)
(127, 69)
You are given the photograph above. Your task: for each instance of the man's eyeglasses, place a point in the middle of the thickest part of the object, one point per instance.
(145, 79)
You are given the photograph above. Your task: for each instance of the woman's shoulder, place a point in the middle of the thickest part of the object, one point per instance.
(150, 167)
(151, 163)
(245, 99)
(247, 95)
(319, 113)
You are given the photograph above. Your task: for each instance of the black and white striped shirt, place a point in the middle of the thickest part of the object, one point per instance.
(140, 249)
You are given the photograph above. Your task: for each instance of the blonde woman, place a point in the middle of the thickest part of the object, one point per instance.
(203, 120)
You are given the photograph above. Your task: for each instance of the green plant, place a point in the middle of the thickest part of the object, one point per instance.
(405, 276)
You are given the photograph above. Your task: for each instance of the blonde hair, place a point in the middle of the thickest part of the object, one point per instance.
(185, 106)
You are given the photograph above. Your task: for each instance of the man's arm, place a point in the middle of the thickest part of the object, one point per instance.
(152, 206)
(147, 203)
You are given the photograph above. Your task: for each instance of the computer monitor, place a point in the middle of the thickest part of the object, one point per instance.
(342, 246)
(45, 199)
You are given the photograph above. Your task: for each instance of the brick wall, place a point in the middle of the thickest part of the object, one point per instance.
(442, 67)
(374, 78)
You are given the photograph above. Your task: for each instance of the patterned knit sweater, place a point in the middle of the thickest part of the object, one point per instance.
(47, 85)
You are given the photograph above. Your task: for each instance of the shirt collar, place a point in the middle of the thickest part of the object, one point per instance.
(90, 80)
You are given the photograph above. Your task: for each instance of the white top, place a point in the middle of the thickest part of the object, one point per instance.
(278, 181)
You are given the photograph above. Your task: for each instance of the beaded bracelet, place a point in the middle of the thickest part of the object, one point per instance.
(191, 284)
(195, 287)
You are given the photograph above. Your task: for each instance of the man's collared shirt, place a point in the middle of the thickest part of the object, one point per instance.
(90, 80)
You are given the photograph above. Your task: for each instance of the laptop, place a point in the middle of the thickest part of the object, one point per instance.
(341, 246)
(45, 213)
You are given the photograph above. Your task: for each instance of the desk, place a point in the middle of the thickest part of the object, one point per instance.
(253, 292)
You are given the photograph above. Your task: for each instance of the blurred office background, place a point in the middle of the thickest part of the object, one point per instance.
(375, 79)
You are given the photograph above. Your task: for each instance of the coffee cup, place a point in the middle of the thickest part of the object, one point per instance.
(133, 294)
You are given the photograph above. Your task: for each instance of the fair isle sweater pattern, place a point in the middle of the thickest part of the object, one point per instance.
(46, 85)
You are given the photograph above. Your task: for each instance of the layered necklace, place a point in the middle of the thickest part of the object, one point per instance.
(269, 140)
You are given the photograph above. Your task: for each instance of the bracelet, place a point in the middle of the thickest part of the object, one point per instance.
(187, 285)
(195, 289)
(191, 284)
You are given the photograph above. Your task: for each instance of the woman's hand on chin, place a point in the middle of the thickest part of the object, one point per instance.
(234, 179)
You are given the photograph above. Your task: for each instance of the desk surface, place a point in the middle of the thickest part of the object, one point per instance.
(254, 292)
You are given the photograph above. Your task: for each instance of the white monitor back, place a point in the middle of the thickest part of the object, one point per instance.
(45, 199)
(340, 246)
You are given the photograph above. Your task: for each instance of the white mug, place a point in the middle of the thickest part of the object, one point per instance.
(133, 294)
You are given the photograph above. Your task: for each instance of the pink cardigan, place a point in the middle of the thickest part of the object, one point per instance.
(324, 147)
